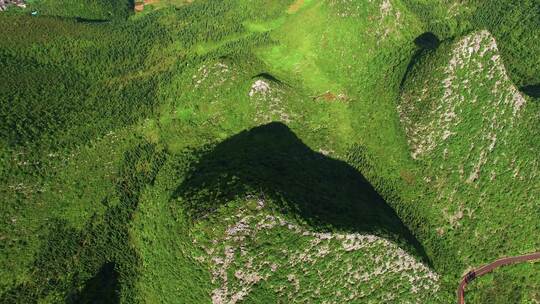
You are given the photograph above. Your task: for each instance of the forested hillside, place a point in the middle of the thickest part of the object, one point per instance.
(268, 151)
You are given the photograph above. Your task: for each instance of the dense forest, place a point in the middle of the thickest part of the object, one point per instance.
(268, 151)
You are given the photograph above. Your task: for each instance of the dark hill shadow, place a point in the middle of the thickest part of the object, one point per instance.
(267, 76)
(531, 90)
(325, 192)
(103, 288)
(425, 43)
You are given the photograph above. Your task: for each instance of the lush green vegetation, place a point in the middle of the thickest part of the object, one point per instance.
(259, 150)
(515, 25)
(88, 10)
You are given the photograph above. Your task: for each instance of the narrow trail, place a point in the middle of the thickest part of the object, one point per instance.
(473, 274)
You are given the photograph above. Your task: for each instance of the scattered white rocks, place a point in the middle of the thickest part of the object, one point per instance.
(259, 87)
(465, 122)
(5, 3)
(212, 76)
(268, 99)
(475, 62)
(386, 8)
(326, 152)
(356, 264)
(346, 8)
(383, 14)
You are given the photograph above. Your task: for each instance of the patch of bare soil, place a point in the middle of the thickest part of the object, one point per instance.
(139, 6)
(295, 6)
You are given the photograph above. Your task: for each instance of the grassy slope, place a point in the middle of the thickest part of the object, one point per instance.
(191, 86)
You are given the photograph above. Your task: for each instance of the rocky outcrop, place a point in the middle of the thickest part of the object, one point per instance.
(5, 3)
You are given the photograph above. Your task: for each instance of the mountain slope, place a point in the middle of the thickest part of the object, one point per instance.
(267, 151)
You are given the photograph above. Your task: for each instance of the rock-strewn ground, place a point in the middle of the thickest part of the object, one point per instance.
(343, 267)
(5, 3)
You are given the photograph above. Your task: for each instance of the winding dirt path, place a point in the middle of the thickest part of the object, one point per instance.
(473, 274)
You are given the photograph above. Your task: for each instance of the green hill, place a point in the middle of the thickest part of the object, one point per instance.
(268, 151)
